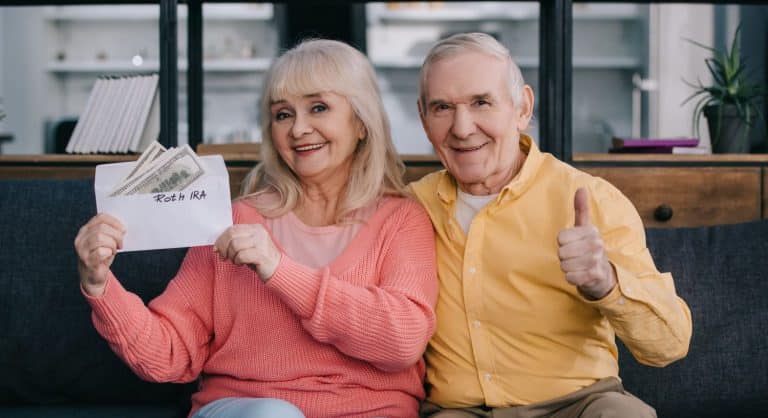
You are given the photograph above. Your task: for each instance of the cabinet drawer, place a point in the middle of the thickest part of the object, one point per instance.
(690, 196)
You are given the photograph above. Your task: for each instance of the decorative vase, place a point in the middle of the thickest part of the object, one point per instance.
(729, 133)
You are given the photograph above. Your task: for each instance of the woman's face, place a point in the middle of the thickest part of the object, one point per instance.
(316, 135)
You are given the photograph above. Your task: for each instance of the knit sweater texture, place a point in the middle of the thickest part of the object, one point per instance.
(345, 340)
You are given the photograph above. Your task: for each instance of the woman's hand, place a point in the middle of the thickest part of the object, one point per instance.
(250, 245)
(96, 245)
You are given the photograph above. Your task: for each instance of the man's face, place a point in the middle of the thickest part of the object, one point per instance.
(471, 121)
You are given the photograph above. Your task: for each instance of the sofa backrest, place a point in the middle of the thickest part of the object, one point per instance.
(722, 273)
(50, 352)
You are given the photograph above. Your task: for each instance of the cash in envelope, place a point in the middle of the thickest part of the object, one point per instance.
(168, 198)
(160, 170)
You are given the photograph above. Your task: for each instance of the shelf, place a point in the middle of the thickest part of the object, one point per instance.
(606, 62)
(452, 15)
(142, 12)
(523, 62)
(230, 154)
(579, 158)
(125, 66)
(489, 12)
(64, 159)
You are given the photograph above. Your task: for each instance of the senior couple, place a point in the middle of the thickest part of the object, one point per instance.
(514, 271)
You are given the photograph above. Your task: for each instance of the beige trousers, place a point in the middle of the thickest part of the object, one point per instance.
(606, 398)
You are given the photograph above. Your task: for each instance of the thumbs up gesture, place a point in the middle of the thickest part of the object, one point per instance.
(582, 253)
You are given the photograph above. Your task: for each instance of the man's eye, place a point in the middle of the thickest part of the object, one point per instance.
(482, 102)
(317, 108)
(441, 107)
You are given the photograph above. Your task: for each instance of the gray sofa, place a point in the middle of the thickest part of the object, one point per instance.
(55, 365)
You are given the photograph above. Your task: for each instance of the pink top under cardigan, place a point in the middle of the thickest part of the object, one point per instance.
(345, 340)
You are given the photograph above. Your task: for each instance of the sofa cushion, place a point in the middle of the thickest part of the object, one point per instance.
(49, 350)
(722, 273)
(92, 411)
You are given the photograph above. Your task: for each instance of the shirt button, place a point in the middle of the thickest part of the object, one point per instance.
(487, 377)
(476, 324)
(472, 270)
(621, 301)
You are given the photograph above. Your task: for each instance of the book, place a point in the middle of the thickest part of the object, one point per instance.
(691, 150)
(652, 143)
(641, 150)
(122, 114)
(77, 133)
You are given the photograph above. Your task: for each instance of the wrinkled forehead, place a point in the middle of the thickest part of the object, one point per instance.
(466, 76)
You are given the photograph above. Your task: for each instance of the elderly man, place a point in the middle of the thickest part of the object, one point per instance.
(540, 265)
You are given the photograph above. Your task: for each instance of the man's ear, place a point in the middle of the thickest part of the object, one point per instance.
(525, 108)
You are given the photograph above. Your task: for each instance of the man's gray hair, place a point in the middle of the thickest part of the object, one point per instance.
(474, 42)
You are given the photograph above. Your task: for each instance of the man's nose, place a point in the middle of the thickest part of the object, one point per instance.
(463, 123)
(301, 126)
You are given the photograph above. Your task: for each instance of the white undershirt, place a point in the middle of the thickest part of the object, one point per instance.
(467, 206)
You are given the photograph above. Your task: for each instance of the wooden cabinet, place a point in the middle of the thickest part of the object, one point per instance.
(687, 190)
(667, 190)
(689, 196)
(239, 161)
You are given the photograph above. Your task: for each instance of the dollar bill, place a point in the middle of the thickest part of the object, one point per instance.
(174, 170)
(154, 150)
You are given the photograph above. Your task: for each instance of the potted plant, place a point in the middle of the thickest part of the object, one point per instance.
(730, 102)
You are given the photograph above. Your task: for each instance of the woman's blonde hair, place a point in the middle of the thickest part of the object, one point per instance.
(475, 42)
(316, 66)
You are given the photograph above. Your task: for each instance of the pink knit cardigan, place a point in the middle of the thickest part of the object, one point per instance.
(342, 341)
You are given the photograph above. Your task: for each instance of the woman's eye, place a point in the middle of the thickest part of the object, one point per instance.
(317, 108)
(282, 115)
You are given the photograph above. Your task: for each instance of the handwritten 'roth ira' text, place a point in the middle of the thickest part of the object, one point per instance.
(179, 196)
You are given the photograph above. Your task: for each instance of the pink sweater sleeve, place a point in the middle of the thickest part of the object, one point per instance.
(166, 341)
(388, 324)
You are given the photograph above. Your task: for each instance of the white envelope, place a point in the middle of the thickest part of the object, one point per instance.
(193, 217)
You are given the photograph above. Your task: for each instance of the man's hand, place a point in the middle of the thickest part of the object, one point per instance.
(250, 245)
(582, 253)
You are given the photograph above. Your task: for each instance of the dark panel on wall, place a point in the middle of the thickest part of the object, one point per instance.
(169, 83)
(555, 69)
(754, 44)
(332, 20)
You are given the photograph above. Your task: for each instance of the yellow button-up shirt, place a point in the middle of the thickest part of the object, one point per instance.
(510, 329)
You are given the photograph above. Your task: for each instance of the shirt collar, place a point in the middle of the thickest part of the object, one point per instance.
(447, 186)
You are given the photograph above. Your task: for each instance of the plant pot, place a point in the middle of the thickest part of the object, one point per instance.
(729, 134)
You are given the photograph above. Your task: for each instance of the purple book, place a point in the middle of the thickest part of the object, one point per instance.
(654, 143)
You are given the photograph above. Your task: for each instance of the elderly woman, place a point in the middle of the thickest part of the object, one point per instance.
(319, 301)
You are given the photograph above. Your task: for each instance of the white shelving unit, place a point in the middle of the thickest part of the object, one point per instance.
(414, 63)
(608, 50)
(228, 12)
(117, 66)
(240, 41)
(488, 11)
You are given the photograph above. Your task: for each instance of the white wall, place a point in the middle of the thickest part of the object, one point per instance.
(674, 59)
(24, 84)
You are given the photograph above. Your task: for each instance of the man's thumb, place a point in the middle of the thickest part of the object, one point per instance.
(581, 207)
